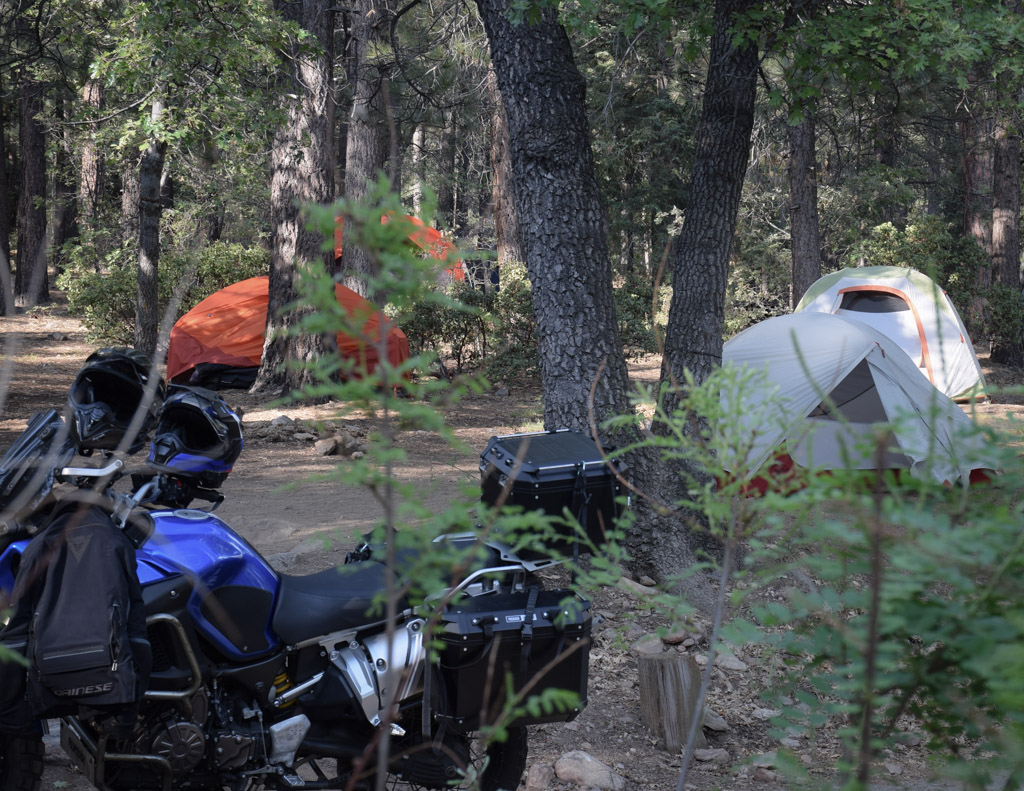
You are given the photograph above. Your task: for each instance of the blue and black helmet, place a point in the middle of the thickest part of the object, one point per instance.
(198, 436)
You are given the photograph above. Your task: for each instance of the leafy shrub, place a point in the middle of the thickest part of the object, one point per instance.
(516, 352)
(930, 246)
(634, 306)
(1006, 324)
(105, 299)
(456, 328)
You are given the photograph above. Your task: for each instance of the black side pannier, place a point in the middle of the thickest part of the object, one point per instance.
(534, 640)
(551, 471)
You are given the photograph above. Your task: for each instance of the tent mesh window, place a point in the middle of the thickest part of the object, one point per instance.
(873, 302)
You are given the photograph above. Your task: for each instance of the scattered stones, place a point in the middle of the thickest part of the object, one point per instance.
(649, 645)
(635, 588)
(714, 721)
(585, 770)
(326, 447)
(540, 777)
(730, 662)
(712, 755)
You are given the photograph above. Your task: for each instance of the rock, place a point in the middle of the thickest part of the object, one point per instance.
(649, 645)
(645, 580)
(766, 714)
(765, 760)
(585, 770)
(282, 421)
(791, 743)
(729, 662)
(501, 392)
(326, 447)
(635, 588)
(678, 636)
(304, 436)
(893, 768)
(712, 755)
(714, 721)
(540, 777)
(762, 775)
(57, 336)
(358, 454)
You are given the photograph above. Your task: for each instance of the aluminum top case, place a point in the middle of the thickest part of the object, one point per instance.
(552, 471)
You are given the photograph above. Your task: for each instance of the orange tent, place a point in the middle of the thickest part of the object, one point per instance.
(220, 341)
(428, 239)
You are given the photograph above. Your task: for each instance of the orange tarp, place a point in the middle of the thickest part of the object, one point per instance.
(428, 239)
(227, 328)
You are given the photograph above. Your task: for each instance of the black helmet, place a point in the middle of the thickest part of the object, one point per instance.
(198, 437)
(105, 396)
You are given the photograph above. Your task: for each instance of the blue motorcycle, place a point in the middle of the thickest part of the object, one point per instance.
(263, 679)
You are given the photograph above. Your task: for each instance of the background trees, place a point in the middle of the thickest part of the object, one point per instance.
(714, 137)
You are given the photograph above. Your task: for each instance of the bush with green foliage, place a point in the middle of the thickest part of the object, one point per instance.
(516, 352)
(929, 245)
(879, 602)
(634, 310)
(105, 299)
(1005, 314)
(457, 328)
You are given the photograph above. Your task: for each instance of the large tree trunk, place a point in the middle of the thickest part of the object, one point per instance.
(129, 217)
(700, 264)
(65, 193)
(1006, 186)
(564, 235)
(31, 283)
(559, 207)
(92, 180)
(302, 170)
(976, 132)
(6, 280)
(805, 236)
(147, 309)
(506, 222)
(368, 132)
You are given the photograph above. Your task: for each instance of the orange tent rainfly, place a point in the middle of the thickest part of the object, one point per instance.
(219, 343)
(429, 240)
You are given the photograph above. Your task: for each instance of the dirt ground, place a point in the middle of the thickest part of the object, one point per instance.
(309, 527)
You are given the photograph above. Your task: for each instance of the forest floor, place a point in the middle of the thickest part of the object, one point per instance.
(304, 525)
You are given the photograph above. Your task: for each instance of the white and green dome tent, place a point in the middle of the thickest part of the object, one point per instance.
(816, 390)
(909, 307)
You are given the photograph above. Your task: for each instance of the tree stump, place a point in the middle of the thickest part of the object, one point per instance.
(669, 688)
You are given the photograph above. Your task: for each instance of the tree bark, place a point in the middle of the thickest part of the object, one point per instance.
(6, 280)
(805, 236)
(506, 222)
(976, 130)
(1006, 204)
(369, 135)
(302, 172)
(31, 284)
(560, 210)
(663, 547)
(129, 225)
(64, 193)
(147, 309)
(92, 180)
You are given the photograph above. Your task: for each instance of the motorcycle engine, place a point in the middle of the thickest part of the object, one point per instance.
(419, 763)
(182, 742)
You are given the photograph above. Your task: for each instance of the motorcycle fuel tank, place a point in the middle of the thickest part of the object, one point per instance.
(234, 588)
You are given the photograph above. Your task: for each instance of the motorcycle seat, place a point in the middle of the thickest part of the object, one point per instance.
(334, 600)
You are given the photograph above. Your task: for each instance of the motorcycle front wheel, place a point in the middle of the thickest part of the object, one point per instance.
(21, 763)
